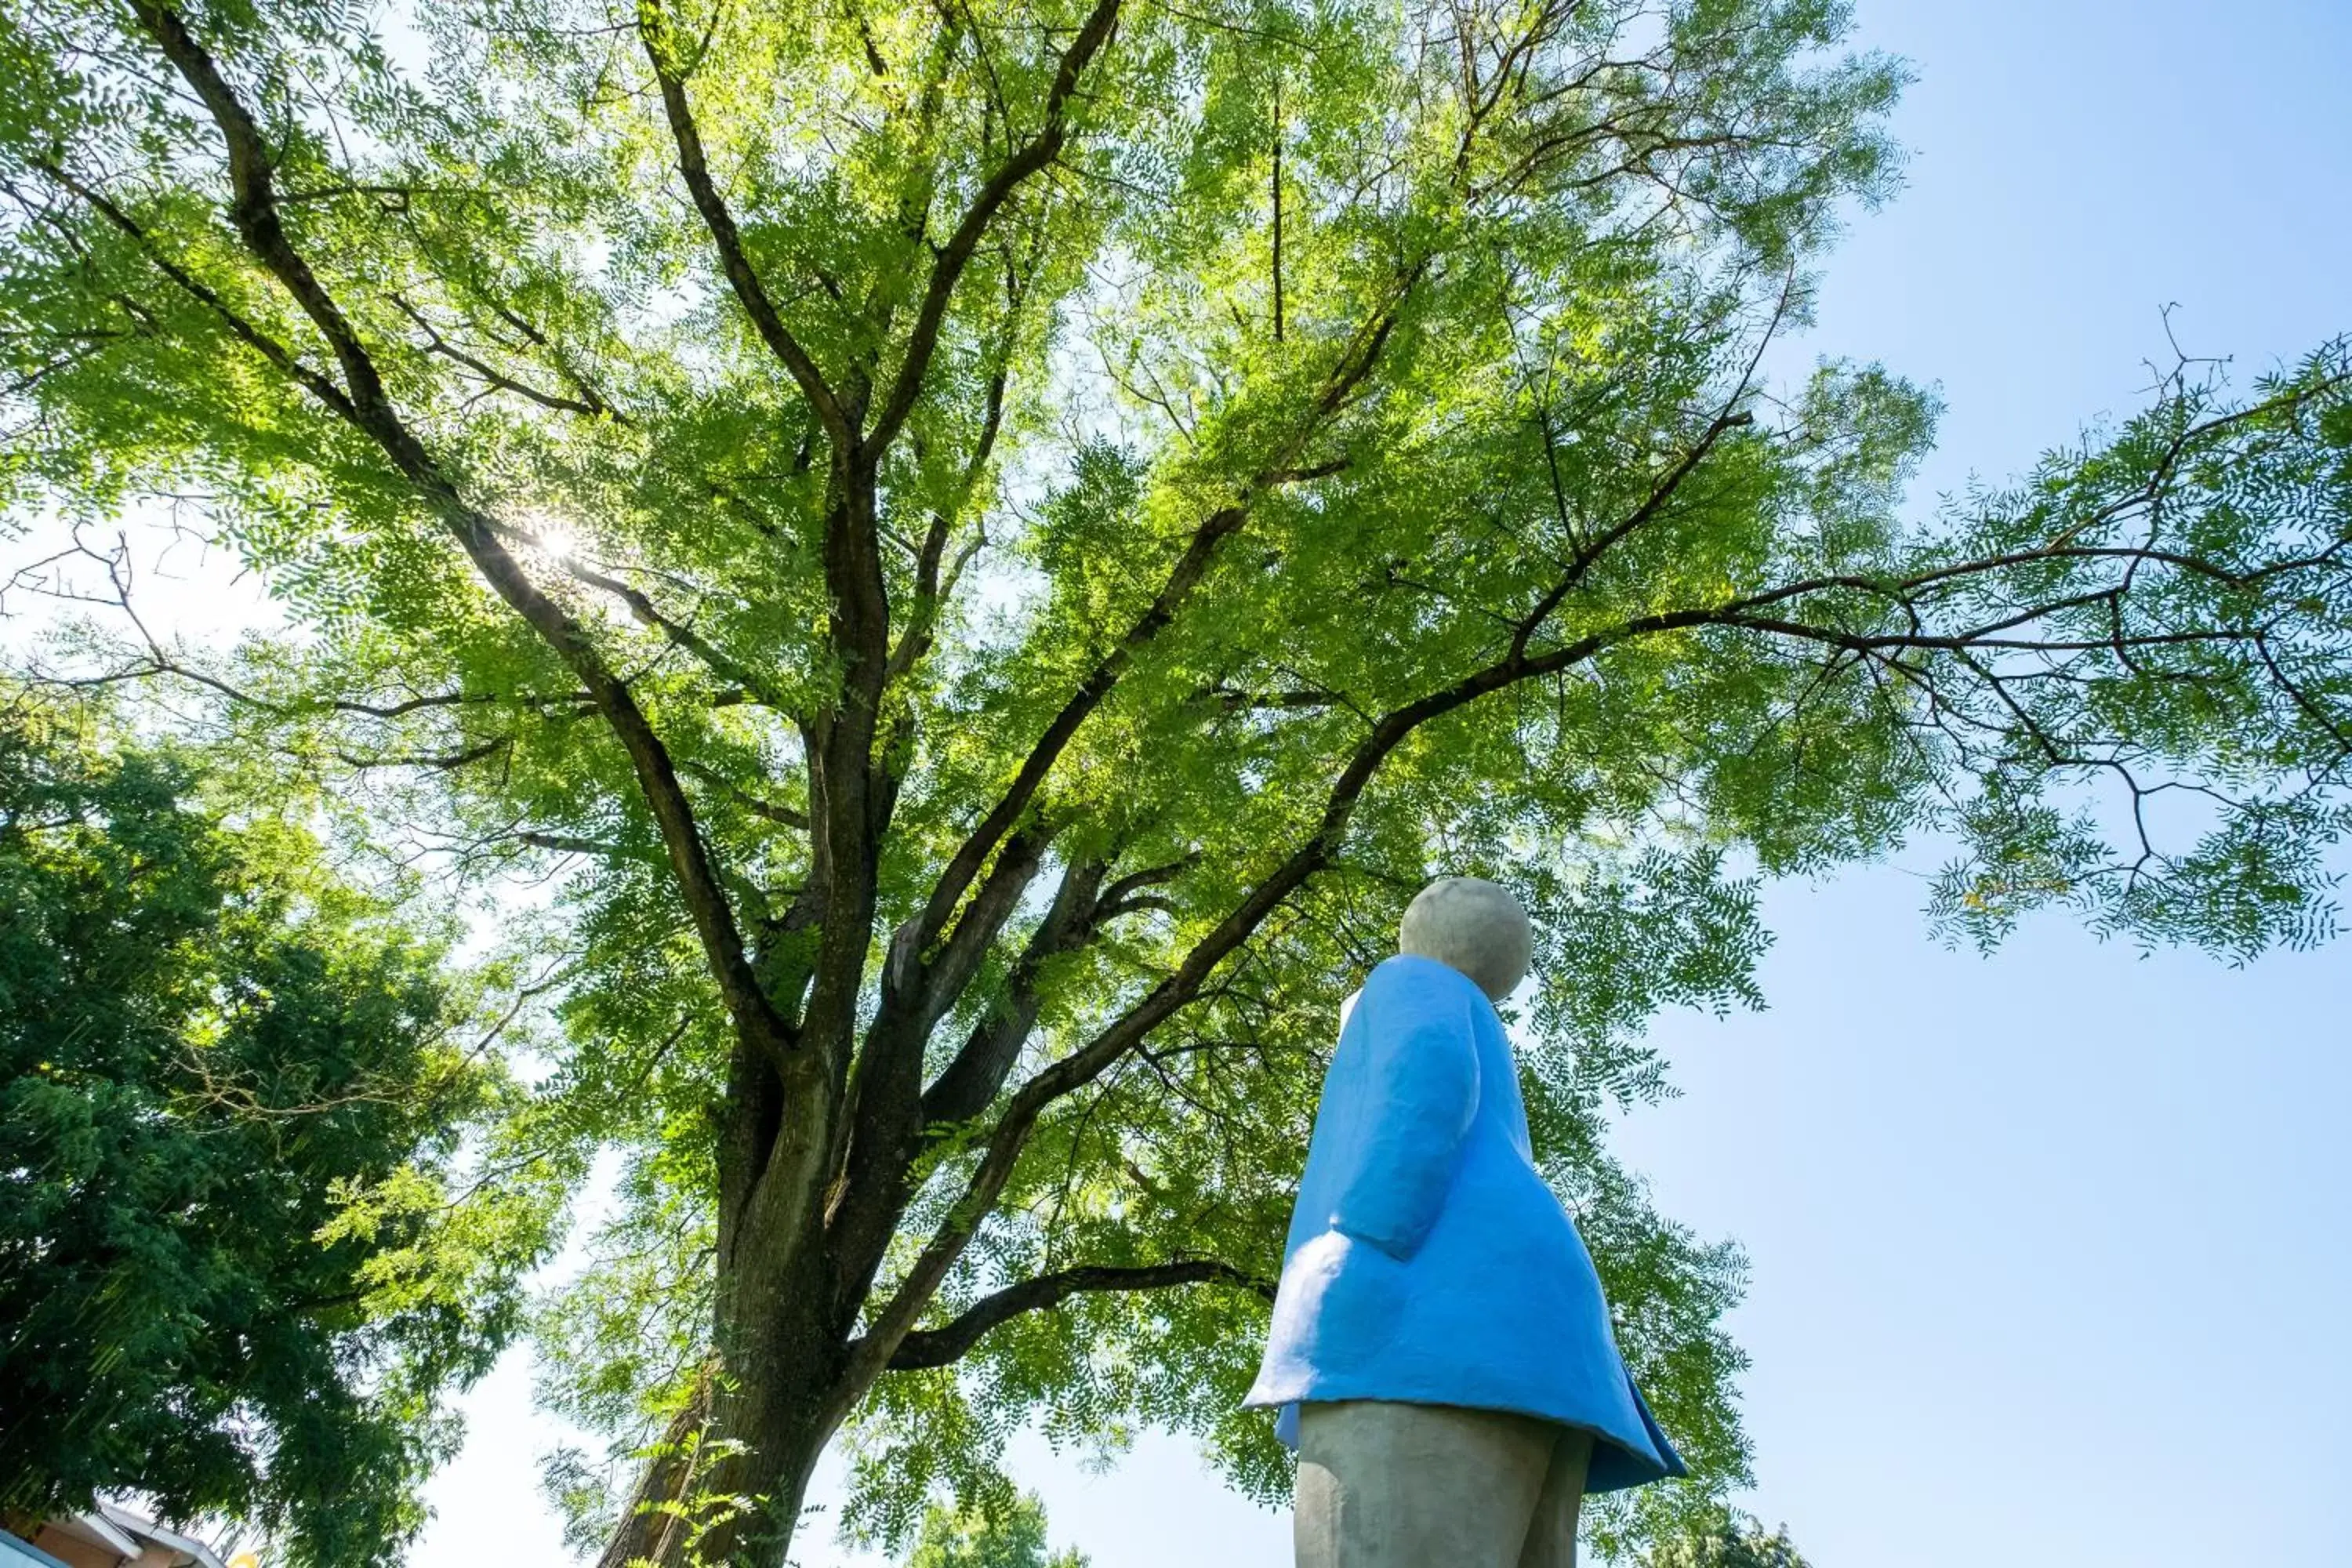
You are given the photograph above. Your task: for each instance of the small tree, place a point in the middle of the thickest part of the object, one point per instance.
(233, 1272)
(1011, 1536)
(1729, 1541)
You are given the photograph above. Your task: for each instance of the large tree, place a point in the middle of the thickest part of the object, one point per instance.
(239, 1270)
(989, 545)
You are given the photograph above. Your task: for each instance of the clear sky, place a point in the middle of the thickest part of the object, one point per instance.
(2050, 1250)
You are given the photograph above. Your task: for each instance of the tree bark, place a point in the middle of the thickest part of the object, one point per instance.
(731, 1499)
(725, 1486)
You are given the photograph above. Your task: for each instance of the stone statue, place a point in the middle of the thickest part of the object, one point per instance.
(1441, 1349)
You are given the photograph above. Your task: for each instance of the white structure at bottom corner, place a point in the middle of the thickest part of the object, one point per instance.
(108, 1536)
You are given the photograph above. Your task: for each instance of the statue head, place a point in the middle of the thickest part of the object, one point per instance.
(1472, 925)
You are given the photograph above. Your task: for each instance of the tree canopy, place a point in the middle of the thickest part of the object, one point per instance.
(986, 548)
(234, 1271)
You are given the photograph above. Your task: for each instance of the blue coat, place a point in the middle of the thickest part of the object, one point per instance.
(1428, 1261)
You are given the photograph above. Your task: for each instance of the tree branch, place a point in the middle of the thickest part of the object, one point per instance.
(279, 355)
(1660, 494)
(641, 606)
(951, 1341)
(948, 267)
(1356, 362)
(967, 1084)
(436, 343)
(161, 665)
(365, 404)
(661, 50)
(1183, 578)
(757, 804)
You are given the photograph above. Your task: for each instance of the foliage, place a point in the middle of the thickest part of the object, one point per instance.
(986, 550)
(1012, 1537)
(1727, 1542)
(236, 1272)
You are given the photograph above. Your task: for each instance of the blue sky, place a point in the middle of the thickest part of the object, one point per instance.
(2050, 1250)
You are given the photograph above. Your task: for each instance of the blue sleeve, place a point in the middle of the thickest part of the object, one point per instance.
(1421, 1088)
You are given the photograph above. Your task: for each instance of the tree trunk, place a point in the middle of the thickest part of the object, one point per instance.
(727, 1489)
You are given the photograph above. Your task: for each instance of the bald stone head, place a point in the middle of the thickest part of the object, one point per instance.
(1472, 925)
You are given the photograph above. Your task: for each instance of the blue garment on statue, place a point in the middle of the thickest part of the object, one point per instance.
(1428, 1261)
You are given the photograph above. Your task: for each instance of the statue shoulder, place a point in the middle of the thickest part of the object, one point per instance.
(1410, 994)
(1409, 975)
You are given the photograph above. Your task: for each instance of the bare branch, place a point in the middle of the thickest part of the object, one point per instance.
(446, 762)
(160, 665)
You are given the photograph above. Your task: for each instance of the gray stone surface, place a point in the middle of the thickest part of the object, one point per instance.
(1385, 1485)
(1472, 925)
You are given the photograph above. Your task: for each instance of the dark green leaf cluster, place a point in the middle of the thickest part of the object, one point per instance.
(236, 1272)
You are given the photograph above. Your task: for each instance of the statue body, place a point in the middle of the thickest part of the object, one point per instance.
(1440, 1340)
